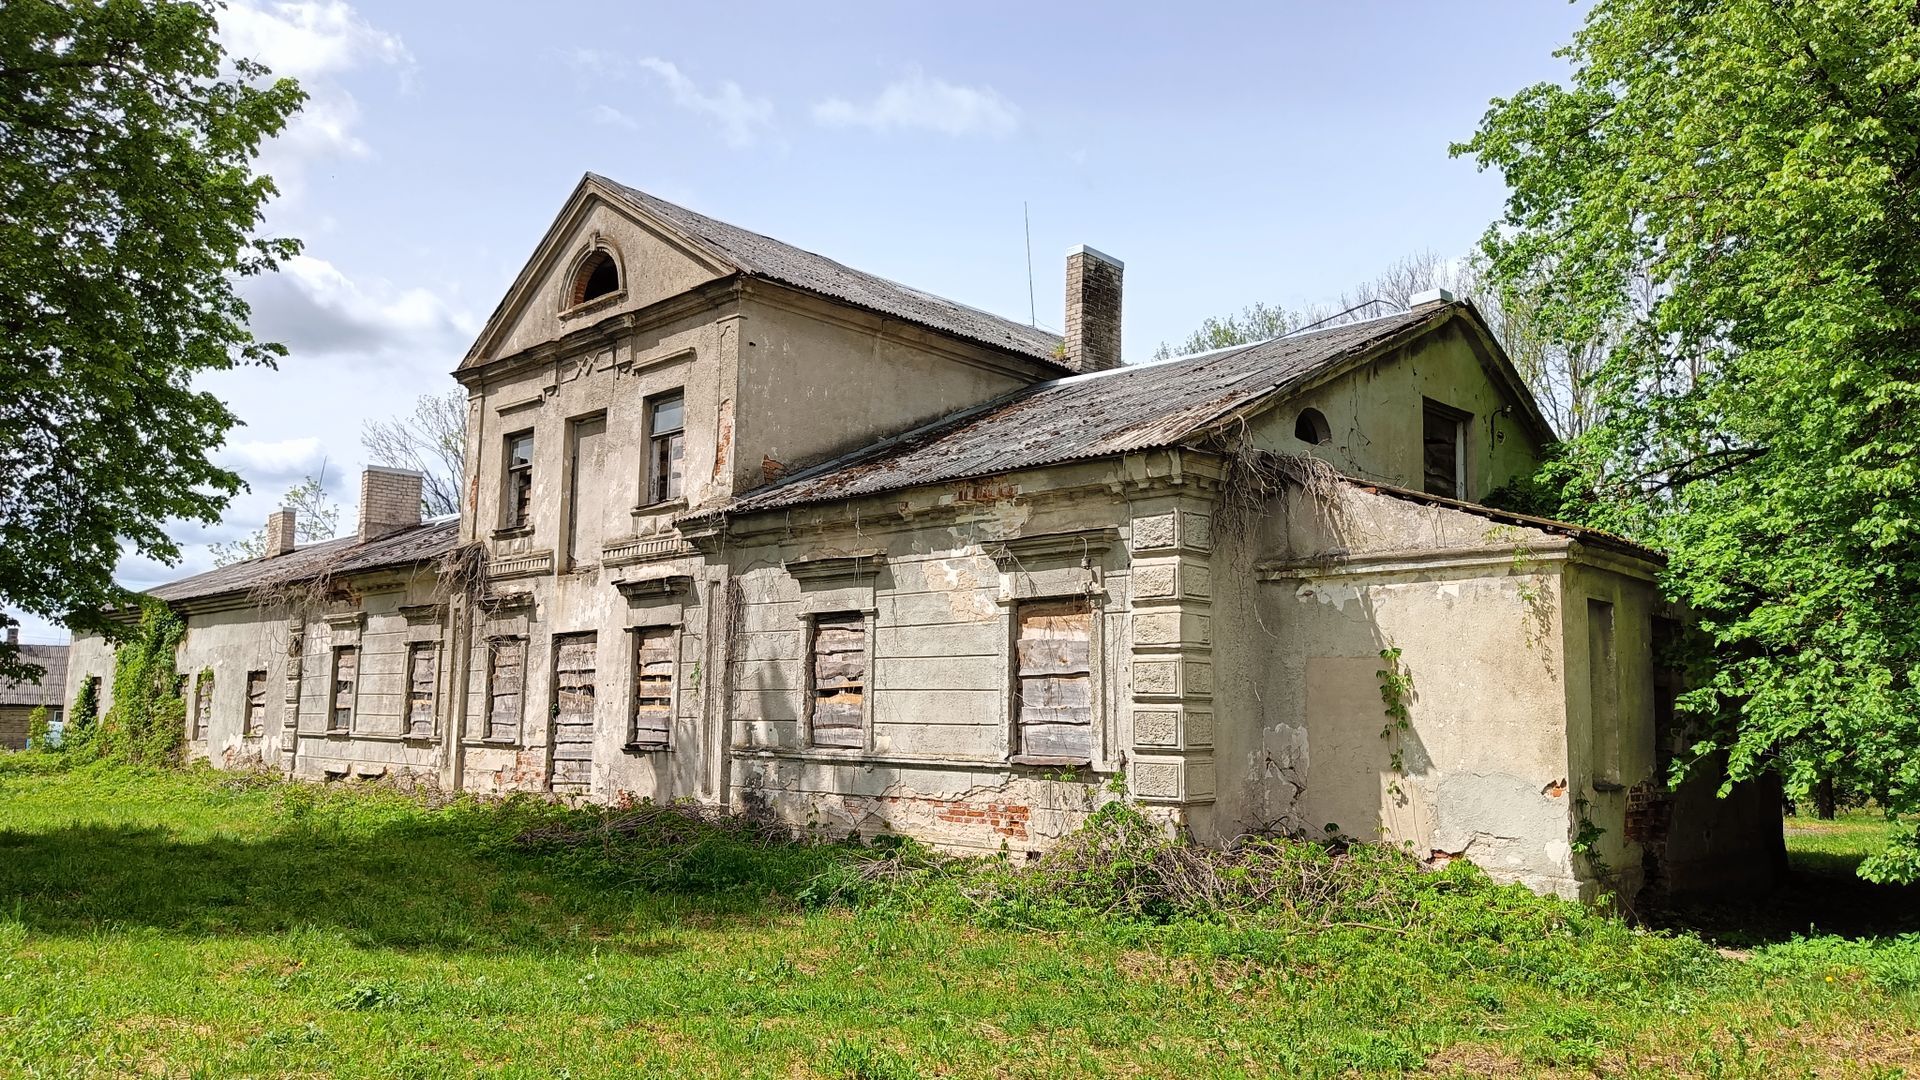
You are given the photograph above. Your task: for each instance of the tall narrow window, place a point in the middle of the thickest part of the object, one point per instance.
(666, 447)
(423, 670)
(839, 680)
(1603, 692)
(256, 719)
(576, 690)
(506, 663)
(1055, 684)
(202, 704)
(346, 682)
(519, 491)
(652, 687)
(584, 486)
(1441, 444)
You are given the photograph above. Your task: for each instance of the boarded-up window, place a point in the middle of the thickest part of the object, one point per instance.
(1055, 684)
(1440, 441)
(202, 705)
(256, 721)
(1603, 691)
(423, 669)
(839, 680)
(506, 669)
(652, 687)
(346, 680)
(573, 711)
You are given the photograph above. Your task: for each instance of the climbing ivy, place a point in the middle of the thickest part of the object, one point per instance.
(1396, 687)
(148, 720)
(86, 707)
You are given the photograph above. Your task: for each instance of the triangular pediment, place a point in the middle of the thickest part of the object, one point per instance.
(656, 261)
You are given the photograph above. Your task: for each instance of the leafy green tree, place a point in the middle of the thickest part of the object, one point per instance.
(315, 517)
(1727, 192)
(128, 206)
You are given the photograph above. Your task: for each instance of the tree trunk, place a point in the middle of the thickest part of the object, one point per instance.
(1823, 799)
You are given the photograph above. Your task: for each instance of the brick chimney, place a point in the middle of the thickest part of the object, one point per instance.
(389, 501)
(280, 530)
(1093, 310)
(1432, 298)
(13, 635)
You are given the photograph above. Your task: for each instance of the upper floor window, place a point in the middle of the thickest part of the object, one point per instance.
(519, 493)
(598, 276)
(1312, 427)
(1443, 459)
(666, 446)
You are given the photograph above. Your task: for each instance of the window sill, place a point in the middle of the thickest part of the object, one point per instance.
(1601, 783)
(674, 505)
(598, 303)
(646, 748)
(1051, 761)
(511, 532)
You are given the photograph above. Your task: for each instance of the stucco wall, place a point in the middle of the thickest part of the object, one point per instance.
(1375, 414)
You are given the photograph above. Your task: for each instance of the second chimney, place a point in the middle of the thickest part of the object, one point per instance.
(280, 532)
(389, 501)
(1093, 310)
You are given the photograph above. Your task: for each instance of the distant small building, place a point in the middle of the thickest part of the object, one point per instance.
(19, 699)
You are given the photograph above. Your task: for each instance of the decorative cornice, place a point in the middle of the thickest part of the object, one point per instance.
(650, 587)
(635, 549)
(422, 612)
(528, 564)
(1081, 544)
(832, 567)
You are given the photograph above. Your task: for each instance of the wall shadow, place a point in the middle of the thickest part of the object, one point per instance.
(1819, 894)
(416, 886)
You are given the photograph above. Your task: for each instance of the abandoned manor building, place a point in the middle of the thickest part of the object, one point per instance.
(744, 526)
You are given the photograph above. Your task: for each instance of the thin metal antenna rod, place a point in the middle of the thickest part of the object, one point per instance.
(1033, 316)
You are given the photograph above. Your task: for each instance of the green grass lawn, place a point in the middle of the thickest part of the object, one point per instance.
(195, 924)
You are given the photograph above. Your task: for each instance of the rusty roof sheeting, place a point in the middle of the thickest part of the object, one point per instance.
(1136, 407)
(346, 555)
(763, 256)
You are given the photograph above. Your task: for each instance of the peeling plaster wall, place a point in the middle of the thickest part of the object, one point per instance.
(940, 696)
(90, 656)
(232, 643)
(1493, 756)
(818, 379)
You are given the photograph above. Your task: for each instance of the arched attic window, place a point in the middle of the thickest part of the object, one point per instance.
(597, 276)
(1312, 427)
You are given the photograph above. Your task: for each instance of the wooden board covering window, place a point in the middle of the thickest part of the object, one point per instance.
(256, 721)
(1055, 683)
(346, 677)
(506, 666)
(202, 705)
(652, 686)
(573, 714)
(422, 672)
(839, 680)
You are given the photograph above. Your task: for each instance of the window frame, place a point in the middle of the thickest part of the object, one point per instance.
(202, 720)
(334, 726)
(1096, 699)
(864, 739)
(519, 719)
(416, 649)
(514, 515)
(637, 636)
(248, 730)
(658, 480)
(1459, 419)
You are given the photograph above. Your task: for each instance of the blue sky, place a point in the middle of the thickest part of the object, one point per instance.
(1227, 152)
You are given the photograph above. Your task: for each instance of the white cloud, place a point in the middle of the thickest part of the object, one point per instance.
(272, 463)
(315, 310)
(608, 116)
(741, 118)
(315, 42)
(921, 103)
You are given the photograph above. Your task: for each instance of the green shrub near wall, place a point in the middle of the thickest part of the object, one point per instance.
(148, 720)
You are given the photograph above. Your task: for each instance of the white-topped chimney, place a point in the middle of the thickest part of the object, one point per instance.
(1093, 310)
(389, 501)
(1430, 298)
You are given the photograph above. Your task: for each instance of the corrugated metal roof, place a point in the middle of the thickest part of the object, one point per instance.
(53, 682)
(1136, 407)
(346, 555)
(766, 257)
